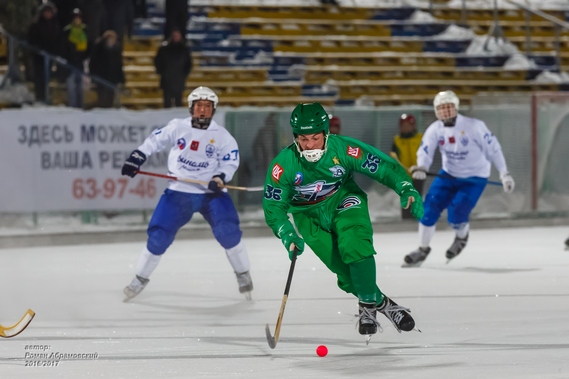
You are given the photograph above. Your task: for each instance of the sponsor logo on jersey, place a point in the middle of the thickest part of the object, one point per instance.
(315, 192)
(354, 151)
(277, 172)
(298, 178)
(349, 202)
(194, 145)
(192, 165)
(464, 139)
(451, 139)
(441, 140)
(337, 171)
(209, 150)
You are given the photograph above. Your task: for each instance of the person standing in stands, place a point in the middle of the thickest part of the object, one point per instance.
(335, 125)
(177, 16)
(106, 62)
(405, 146)
(75, 48)
(173, 63)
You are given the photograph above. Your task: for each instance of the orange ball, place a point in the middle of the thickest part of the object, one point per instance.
(322, 351)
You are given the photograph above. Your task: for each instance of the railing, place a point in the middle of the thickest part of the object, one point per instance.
(13, 73)
(554, 20)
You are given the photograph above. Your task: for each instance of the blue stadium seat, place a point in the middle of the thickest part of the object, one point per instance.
(401, 13)
(486, 61)
(445, 46)
(409, 30)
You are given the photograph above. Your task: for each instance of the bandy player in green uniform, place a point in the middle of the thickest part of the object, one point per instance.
(313, 180)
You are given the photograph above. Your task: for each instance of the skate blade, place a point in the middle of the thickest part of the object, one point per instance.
(368, 338)
(409, 265)
(247, 296)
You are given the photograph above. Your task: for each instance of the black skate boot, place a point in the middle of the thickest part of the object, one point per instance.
(456, 247)
(399, 316)
(367, 323)
(245, 284)
(416, 257)
(567, 244)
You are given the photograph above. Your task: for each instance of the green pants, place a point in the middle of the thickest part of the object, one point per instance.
(341, 235)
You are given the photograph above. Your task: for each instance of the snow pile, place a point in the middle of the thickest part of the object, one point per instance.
(421, 17)
(519, 62)
(552, 77)
(455, 33)
(485, 45)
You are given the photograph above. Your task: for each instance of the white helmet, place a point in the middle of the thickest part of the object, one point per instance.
(202, 93)
(446, 115)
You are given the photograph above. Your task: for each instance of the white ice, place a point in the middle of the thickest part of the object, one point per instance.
(499, 310)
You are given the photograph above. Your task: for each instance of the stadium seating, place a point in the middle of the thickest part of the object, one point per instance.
(281, 55)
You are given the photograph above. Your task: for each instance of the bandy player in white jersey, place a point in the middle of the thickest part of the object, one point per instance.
(467, 148)
(200, 149)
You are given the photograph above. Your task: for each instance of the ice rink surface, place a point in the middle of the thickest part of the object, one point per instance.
(499, 310)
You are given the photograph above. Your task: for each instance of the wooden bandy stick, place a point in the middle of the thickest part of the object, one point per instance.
(14, 330)
(198, 181)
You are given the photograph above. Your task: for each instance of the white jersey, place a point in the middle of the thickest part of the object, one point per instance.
(467, 149)
(195, 153)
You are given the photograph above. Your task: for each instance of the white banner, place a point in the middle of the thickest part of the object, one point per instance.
(63, 159)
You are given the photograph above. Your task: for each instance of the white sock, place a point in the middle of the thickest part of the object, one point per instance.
(426, 234)
(463, 230)
(238, 258)
(146, 264)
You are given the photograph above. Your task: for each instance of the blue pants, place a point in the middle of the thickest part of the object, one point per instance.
(458, 195)
(175, 209)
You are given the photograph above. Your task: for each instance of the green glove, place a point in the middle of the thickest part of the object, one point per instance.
(289, 237)
(409, 197)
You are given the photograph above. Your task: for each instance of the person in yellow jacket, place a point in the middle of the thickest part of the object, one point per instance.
(405, 146)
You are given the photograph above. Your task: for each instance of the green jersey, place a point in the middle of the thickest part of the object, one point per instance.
(295, 185)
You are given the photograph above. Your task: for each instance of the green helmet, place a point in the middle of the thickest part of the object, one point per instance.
(309, 118)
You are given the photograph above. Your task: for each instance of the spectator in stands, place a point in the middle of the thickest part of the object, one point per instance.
(335, 125)
(140, 10)
(120, 17)
(176, 13)
(173, 63)
(106, 62)
(94, 16)
(44, 34)
(65, 11)
(405, 146)
(75, 48)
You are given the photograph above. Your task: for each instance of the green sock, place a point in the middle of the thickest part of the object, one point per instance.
(363, 277)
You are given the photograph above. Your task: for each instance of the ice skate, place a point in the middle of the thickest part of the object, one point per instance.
(567, 244)
(398, 315)
(245, 284)
(367, 322)
(416, 257)
(456, 247)
(135, 287)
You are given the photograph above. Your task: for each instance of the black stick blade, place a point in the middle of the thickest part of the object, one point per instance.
(270, 338)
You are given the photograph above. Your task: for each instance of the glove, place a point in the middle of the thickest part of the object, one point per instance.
(419, 172)
(291, 240)
(133, 163)
(216, 184)
(508, 182)
(409, 197)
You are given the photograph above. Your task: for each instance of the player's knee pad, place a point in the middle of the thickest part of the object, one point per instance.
(228, 234)
(159, 240)
(432, 213)
(355, 243)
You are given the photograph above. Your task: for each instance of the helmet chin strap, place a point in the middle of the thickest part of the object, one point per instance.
(449, 122)
(313, 155)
